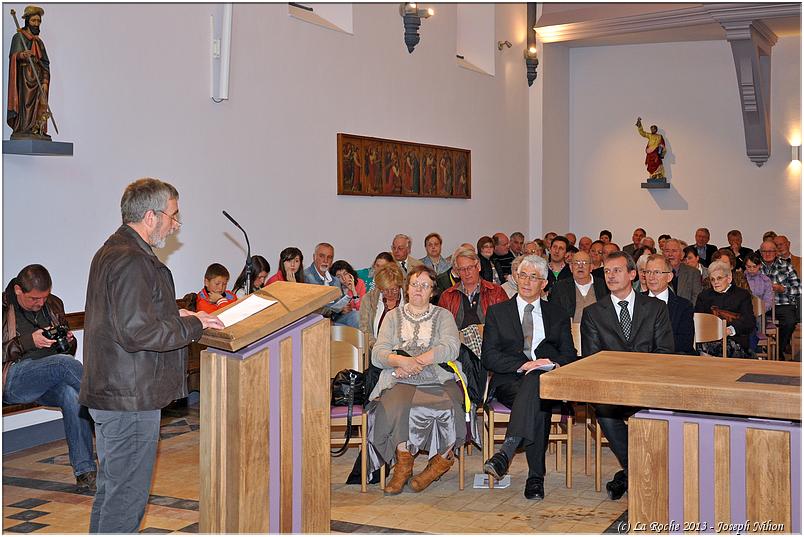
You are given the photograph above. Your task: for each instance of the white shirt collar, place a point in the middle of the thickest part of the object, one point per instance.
(631, 299)
(664, 295)
(521, 303)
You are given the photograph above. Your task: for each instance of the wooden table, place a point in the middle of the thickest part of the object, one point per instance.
(721, 458)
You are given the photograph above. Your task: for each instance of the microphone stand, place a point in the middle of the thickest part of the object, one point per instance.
(249, 264)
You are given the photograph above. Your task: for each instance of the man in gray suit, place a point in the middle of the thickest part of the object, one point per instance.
(686, 280)
(636, 239)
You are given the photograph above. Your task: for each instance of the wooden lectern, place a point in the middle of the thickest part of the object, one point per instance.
(265, 396)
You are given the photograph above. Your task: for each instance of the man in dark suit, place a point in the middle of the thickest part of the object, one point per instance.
(658, 275)
(523, 337)
(686, 280)
(566, 292)
(735, 239)
(637, 237)
(705, 250)
(628, 322)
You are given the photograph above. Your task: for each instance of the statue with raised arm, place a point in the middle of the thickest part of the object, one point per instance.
(654, 151)
(28, 79)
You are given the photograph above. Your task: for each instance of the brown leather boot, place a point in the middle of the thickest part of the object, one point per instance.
(436, 467)
(403, 469)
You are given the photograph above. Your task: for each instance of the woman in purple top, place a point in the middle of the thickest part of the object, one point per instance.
(760, 284)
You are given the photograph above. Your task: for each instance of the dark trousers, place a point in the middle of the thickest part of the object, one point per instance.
(787, 316)
(611, 419)
(126, 444)
(530, 418)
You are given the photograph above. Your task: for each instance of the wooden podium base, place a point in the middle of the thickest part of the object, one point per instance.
(710, 473)
(265, 433)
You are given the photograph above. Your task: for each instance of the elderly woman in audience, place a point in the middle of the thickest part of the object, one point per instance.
(534, 247)
(291, 267)
(758, 282)
(351, 285)
(260, 269)
(692, 259)
(490, 269)
(510, 287)
(417, 404)
(731, 303)
(726, 255)
(640, 282)
(384, 298)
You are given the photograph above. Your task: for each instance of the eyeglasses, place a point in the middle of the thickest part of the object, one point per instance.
(718, 279)
(171, 216)
(655, 272)
(424, 286)
(768, 251)
(468, 269)
(581, 263)
(531, 277)
(391, 291)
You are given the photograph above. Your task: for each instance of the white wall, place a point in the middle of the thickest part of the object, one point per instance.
(130, 87)
(689, 90)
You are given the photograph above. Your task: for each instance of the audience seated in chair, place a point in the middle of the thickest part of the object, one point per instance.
(469, 299)
(522, 335)
(291, 266)
(658, 275)
(433, 259)
(339, 310)
(490, 269)
(380, 301)
(686, 280)
(574, 294)
(400, 249)
(260, 270)
(214, 294)
(351, 285)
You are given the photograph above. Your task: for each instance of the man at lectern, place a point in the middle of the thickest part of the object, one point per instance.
(135, 352)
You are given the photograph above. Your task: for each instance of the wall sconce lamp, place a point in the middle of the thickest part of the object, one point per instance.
(531, 57)
(501, 44)
(796, 152)
(412, 18)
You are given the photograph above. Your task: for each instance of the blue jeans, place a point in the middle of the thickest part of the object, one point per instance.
(55, 381)
(126, 452)
(349, 319)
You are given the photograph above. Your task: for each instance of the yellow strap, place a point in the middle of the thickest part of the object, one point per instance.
(466, 403)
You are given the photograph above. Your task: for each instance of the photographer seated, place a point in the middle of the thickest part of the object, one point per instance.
(38, 363)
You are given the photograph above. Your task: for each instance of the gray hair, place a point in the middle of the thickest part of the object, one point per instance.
(143, 195)
(516, 262)
(720, 266)
(403, 236)
(463, 251)
(642, 261)
(535, 262)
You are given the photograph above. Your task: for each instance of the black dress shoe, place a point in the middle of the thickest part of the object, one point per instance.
(617, 486)
(534, 488)
(497, 465)
(86, 481)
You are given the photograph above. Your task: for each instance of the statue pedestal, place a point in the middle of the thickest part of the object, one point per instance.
(37, 148)
(656, 183)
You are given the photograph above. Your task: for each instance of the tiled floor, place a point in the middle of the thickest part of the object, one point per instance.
(39, 495)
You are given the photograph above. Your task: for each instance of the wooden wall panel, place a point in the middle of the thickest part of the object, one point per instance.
(647, 475)
(767, 478)
(691, 476)
(722, 476)
(286, 435)
(315, 423)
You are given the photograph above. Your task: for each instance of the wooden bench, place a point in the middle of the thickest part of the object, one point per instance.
(76, 322)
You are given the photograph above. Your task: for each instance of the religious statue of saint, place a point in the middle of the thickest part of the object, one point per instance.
(654, 151)
(28, 80)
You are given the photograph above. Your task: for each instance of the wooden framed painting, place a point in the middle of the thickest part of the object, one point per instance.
(379, 167)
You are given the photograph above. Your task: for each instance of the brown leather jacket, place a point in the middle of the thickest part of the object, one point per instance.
(16, 345)
(135, 341)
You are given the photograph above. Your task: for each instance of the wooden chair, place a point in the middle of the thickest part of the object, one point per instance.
(560, 431)
(354, 337)
(710, 327)
(767, 341)
(344, 355)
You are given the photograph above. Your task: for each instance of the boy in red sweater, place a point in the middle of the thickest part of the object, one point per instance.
(214, 294)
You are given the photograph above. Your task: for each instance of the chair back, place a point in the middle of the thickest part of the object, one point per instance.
(354, 337)
(710, 327)
(759, 310)
(343, 355)
(576, 337)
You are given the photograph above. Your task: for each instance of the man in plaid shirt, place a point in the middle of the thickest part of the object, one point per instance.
(787, 288)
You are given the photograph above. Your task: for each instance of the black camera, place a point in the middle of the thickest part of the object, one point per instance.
(59, 334)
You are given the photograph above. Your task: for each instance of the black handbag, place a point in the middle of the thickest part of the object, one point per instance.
(348, 389)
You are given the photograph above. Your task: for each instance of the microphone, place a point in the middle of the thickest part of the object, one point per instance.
(248, 252)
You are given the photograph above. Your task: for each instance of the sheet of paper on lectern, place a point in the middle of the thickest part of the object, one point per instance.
(243, 309)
